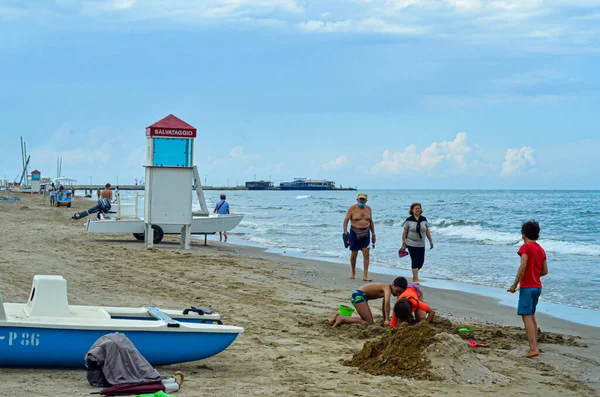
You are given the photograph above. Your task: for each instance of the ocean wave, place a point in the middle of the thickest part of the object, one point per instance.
(495, 237)
(302, 197)
(570, 247)
(442, 222)
(478, 233)
(390, 222)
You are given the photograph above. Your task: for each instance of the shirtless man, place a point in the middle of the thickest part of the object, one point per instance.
(106, 193)
(101, 207)
(368, 292)
(361, 229)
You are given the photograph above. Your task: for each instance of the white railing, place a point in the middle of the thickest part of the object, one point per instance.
(127, 214)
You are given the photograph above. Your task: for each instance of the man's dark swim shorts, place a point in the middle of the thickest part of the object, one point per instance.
(357, 244)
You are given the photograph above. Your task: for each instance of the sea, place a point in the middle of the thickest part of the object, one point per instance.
(476, 233)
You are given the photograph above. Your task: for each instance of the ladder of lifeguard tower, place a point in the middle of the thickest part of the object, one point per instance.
(200, 193)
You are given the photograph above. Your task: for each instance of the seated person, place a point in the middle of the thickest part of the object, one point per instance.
(369, 292)
(411, 308)
(102, 207)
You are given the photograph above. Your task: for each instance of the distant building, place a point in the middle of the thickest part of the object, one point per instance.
(307, 184)
(259, 185)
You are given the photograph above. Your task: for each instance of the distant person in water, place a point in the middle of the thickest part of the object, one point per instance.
(362, 233)
(368, 292)
(416, 228)
(533, 266)
(222, 208)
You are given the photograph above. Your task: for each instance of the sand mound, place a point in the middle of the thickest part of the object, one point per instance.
(453, 360)
(400, 353)
(417, 352)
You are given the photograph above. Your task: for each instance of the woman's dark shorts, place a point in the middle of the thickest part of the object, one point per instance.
(357, 244)
(417, 256)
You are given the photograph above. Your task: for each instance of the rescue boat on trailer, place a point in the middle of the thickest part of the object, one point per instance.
(48, 332)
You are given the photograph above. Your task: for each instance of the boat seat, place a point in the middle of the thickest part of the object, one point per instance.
(48, 297)
(95, 312)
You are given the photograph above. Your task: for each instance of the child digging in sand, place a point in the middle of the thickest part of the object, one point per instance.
(369, 292)
(533, 266)
(410, 307)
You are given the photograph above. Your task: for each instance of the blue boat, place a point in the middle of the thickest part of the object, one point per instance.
(48, 332)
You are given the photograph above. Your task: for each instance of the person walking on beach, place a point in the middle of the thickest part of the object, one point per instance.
(533, 266)
(117, 193)
(222, 208)
(416, 229)
(368, 292)
(361, 227)
(51, 194)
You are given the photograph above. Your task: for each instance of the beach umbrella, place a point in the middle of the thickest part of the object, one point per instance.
(167, 385)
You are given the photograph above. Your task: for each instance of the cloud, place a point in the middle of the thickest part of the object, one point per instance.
(451, 153)
(370, 25)
(538, 25)
(517, 160)
(237, 153)
(77, 150)
(467, 5)
(180, 9)
(339, 162)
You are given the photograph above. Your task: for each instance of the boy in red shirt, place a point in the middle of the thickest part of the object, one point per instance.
(533, 266)
(411, 301)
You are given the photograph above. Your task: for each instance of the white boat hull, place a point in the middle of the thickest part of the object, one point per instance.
(48, 332)
(200, 225)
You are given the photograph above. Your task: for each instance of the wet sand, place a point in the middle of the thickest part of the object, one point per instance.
(283, 303)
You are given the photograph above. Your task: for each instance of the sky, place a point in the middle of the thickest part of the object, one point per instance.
(425, 94)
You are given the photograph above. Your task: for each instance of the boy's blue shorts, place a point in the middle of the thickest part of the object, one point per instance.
(358, 296)
(528, 299)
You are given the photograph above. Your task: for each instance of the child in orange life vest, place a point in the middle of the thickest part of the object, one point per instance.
(409, 303)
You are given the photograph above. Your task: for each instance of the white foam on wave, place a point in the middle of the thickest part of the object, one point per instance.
(478, 233)
(495, 237)
(301, 197)
(570, 248)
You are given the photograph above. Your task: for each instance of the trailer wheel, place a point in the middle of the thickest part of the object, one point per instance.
(139, 236)
(69, 205)
(57, 204)
(158, 234)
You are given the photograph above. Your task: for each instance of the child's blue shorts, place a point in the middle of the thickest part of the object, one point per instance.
(528, 299)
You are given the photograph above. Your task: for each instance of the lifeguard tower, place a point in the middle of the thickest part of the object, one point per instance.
(36, 181)
(168, 192)
(169, 174)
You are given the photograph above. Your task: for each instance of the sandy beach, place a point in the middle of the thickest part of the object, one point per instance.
(284, 303)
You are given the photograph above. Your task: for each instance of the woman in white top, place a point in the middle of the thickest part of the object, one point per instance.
(416, 229)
